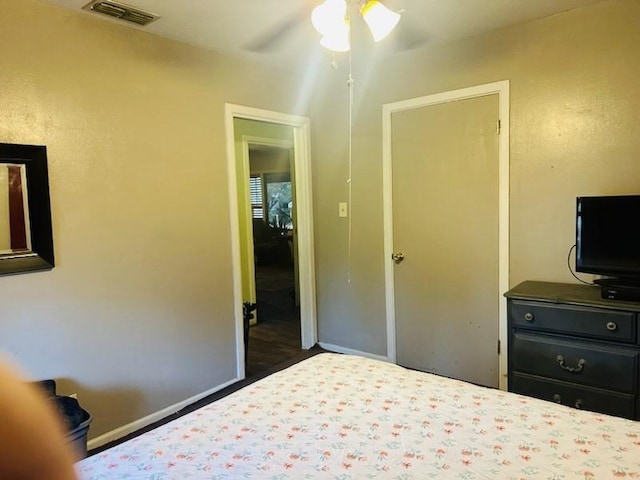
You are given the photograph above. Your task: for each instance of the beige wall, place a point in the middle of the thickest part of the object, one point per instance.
(269, 161)
(137, 315)
(575, 99)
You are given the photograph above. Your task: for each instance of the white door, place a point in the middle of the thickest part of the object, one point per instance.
(445, 206)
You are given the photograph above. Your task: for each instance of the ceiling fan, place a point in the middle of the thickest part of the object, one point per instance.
(333, 19)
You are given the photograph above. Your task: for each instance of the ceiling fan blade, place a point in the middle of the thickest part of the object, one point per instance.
(407, 37)
(273, 38)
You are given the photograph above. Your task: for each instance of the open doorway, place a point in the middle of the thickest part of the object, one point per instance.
(274, 332)
(284, 247)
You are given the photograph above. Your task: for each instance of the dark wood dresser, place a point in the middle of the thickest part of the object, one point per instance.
(568, 345)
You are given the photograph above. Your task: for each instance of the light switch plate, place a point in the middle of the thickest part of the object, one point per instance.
(342, 209)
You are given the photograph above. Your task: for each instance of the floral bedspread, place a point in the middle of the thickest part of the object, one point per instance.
(340, 416)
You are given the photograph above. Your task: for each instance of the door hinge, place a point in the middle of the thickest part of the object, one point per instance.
(498, 127)
(498, 347)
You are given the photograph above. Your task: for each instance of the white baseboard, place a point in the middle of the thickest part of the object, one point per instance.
(154, 417)
(350, 351)
(170, 410)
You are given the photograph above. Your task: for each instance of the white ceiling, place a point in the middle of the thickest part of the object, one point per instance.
(247, 28)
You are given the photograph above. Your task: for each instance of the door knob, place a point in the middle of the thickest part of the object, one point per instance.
(397, 257)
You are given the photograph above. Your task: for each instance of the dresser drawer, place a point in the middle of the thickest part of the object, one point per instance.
(613, 325)
(574, 361)
(574, 396)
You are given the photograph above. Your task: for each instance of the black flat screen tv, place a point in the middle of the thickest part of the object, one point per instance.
(608, 236)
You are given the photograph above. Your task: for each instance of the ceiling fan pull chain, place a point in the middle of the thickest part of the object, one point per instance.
(350, 85)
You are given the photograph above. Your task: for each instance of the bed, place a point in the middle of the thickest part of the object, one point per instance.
(342, 416)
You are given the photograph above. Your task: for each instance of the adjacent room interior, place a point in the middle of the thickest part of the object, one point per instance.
(275, 336)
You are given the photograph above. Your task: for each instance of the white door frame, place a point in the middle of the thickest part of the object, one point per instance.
(501, 88)
(306, 256)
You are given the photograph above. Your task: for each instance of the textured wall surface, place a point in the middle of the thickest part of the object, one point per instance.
(574, 131)
(137, 315)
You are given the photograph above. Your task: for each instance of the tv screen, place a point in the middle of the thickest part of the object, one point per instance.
(608, 235)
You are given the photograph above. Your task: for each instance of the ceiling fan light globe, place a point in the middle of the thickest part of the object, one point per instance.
(338, 41)
(326, 16)
(380, 20)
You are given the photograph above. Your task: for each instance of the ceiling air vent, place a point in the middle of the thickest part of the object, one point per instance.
(122, 12)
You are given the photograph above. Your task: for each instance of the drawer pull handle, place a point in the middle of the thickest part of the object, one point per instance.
(612, 327)
(576, 369)
(558, 399)
(528, 317)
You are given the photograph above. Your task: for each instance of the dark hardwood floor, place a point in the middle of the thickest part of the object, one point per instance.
(276, 336)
